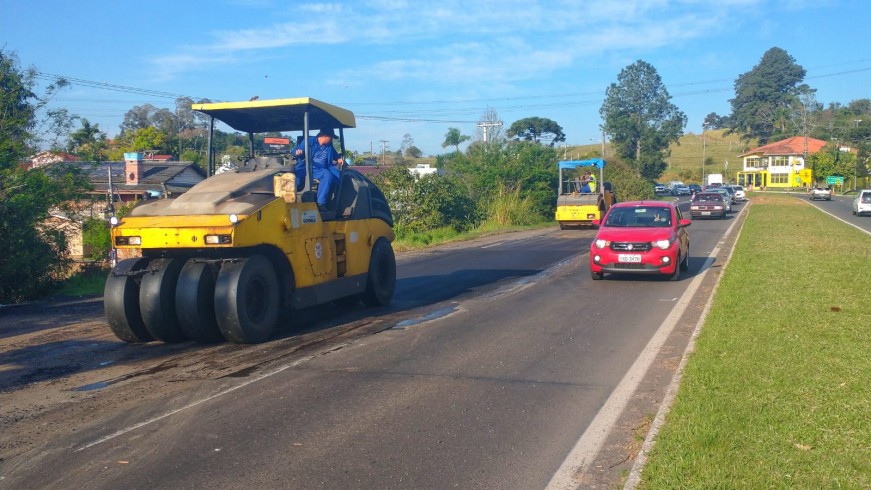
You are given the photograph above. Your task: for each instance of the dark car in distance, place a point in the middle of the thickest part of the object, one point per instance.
(708, 205)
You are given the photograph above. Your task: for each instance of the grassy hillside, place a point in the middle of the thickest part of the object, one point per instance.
(686, 158)
(684, 164)
(718, 148)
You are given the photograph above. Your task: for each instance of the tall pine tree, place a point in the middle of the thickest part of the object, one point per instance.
(764, 94)
(640, 119)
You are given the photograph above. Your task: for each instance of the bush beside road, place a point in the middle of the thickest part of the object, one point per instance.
(776, 392)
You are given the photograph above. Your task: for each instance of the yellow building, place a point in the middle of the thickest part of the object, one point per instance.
(779, 165)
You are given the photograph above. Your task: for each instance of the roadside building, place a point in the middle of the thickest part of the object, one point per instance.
(122, 184)
(138, 178)
(49, 157)
(779, 165)
(422, 169)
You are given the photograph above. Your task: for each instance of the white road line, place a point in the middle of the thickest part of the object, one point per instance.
(569, 474)
(198, 402)
(492, 245)
(842, 219)
(524, 282)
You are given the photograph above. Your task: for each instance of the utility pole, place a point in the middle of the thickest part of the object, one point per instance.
(704, 149)
(210, 166)
(485, 127)
(178, 130)
(383, 150)
(603, 143)
(804, 161)
(110, 209)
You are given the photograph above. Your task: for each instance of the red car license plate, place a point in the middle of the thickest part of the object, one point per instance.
(632, 258)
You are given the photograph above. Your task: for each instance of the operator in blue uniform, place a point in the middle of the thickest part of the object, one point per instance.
(326, 163)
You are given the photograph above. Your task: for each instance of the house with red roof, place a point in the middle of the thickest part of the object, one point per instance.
(121, 183)
(779, 165)
(48, 157)
(156, 158)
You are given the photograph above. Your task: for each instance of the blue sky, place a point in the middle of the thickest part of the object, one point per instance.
(419, 68)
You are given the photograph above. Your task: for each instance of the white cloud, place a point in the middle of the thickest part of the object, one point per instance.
(279, 36)
(169, 67)
(508, 40)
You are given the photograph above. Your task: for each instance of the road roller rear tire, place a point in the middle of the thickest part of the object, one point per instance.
(157, 300)
(247, 300)
(195, 302)
(121, 302)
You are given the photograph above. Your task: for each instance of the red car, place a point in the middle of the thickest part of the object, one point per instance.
(641, 237)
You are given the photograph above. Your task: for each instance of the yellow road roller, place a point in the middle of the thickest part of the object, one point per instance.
(227, 258)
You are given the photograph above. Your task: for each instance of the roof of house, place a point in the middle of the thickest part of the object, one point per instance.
(48, 157)
(156, 176)
(157, 158)
(789, 146)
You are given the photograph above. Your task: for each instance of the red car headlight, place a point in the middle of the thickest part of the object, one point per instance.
(662, 244)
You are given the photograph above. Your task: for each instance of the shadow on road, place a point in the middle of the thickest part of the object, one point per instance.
(46, 342)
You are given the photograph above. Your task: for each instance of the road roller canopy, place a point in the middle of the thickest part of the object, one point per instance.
(592, 162)
(261, 116)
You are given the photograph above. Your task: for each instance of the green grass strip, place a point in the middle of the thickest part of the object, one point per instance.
(777, 393)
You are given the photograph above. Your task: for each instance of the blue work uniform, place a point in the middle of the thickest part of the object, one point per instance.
(299, 168)
(323, 167)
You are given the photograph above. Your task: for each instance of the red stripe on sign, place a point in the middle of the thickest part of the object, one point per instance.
(276, 141)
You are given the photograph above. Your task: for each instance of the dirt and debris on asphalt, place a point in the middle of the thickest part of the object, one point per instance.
(60, 364)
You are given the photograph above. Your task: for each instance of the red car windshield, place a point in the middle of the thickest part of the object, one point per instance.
(654, 216)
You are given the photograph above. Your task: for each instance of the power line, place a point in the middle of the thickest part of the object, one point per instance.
(102, 101)
(113, 87)
(429, 115)
(409, 119)
(827, 75)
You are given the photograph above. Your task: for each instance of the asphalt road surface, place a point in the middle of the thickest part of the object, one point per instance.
(500, 364)
(841, 207)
